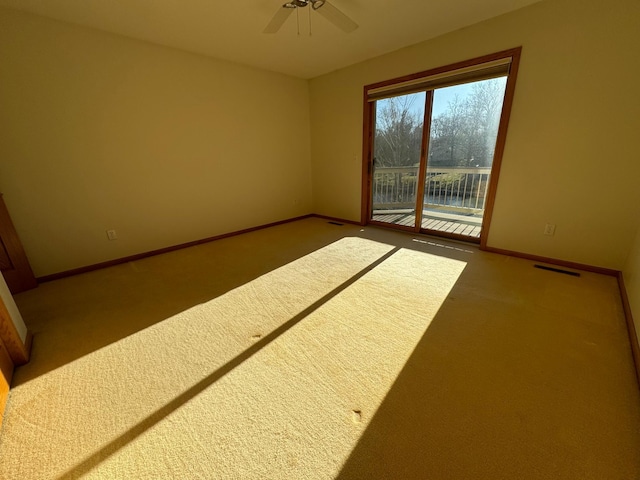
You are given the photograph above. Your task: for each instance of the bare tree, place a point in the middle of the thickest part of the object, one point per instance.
(447, 133)
(398, 134)
(465, 134)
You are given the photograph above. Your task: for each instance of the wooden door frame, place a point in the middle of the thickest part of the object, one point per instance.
(6, 374)
(368, 130)
(501, 140)
(19, 351)
(13, 352)
(20, 276)
(424, 149)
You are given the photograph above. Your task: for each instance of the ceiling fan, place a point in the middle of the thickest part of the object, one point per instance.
(323, 7)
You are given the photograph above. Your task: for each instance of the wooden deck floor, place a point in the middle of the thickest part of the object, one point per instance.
(467, 226)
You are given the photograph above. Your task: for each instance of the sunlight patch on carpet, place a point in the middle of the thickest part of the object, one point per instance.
(295, 407)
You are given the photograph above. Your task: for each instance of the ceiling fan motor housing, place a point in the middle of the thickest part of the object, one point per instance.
(331, 13)
(315, 4)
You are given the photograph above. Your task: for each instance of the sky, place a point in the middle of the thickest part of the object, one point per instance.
(441, 98)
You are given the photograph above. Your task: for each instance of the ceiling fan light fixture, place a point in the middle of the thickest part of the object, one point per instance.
(323, 7)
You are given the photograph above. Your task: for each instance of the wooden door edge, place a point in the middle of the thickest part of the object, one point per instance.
(19, 351)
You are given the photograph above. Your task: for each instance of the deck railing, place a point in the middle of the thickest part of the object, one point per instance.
(461, 189)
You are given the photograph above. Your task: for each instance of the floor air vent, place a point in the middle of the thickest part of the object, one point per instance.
(336, 223)
(557, 270)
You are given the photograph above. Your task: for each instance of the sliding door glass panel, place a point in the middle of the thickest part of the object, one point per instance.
(397, 142)
(464, 128)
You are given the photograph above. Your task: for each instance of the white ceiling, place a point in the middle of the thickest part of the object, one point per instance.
(232, 29)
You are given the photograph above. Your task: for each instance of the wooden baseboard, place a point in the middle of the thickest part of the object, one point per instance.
(631, 328)
(139, 256)
(553, 261)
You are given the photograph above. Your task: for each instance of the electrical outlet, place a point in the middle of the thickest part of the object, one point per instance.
(112, 235)
(549, 229)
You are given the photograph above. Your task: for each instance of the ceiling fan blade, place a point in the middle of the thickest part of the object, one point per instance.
(279, 18)
(335, 16)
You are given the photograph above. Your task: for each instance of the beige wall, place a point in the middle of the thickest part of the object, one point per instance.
(631, 274)
(572, 154)
(103, 132)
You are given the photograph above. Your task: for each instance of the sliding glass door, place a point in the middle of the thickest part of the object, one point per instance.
(431, 142)
(397, 152)
(464, 128)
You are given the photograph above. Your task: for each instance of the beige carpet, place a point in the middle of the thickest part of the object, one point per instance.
(316, 351)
